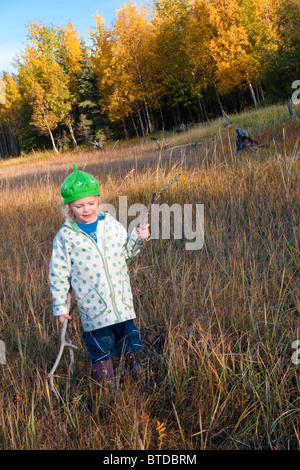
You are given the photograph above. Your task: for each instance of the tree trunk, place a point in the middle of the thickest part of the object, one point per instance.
(228, 122)
(141, 122)
(147, 130)
(220, 103)
(204, 108)
(125, 129)
(9, 143)
(135, 128)
(190, 113)
(150, 125)
(201, 110)
(173, 113)
(257, 95)
(53, 142)
(252, 94)
(178, 114)
(51, 136)
(69, 124)
(162, 118)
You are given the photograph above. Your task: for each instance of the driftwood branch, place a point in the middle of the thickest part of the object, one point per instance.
(153, 200)
(244, 141)
(115, 145)
(165, 147)
(167, 144)
(63, 342)
(192, 144)
(227, 120)
(97, 145)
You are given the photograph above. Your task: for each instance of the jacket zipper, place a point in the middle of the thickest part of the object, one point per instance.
(76, 228)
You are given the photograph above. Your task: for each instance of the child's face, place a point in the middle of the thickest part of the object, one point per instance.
(85, 209)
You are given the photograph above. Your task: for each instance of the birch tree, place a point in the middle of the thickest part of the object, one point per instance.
(46, 89)
(228, 47)
(132, 69)
(10, 109)
(44, 83)
(176, 73)
(10, 116)
(259, 19)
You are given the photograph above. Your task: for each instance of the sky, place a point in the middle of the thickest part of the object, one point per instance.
(16, 14)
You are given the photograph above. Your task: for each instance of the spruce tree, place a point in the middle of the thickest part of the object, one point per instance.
(89, 110)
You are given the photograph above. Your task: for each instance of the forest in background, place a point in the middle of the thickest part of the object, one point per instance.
(159, 67)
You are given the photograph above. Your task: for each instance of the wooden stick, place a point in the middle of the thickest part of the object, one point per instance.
(192, 144)
(63, 343)
(166, 187)
(153, 200)
(114, 145)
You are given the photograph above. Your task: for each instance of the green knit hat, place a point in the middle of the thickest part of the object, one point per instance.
(79, 184)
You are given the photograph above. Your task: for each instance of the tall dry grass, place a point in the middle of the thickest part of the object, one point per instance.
(217, 324)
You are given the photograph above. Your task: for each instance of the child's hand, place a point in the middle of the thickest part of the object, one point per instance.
(62, 318)
(143, 231)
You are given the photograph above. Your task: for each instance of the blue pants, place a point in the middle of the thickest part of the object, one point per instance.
(114, 340)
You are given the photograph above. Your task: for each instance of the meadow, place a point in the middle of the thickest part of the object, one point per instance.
(218, 324)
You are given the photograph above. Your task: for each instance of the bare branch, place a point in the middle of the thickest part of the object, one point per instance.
(63, 343)
(192, 144)
(114, 146)
(153, 200)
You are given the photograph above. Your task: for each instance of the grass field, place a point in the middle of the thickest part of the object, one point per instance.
(218, 324)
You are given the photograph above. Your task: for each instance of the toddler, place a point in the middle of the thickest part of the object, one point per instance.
(89, 256)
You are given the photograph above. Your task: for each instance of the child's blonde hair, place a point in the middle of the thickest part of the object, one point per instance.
(66, 210)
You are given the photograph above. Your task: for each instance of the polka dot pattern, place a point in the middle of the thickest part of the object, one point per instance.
(97, 272)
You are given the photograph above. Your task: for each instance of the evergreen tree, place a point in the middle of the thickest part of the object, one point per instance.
(176, 74)
(284, 65)
(89, 98)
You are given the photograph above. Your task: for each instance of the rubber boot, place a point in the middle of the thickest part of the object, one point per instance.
(130, 365)
(104, 372)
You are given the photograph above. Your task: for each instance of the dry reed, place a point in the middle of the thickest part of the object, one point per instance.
(217, 324)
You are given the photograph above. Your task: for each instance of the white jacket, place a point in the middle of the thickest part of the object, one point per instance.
(97, 272)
